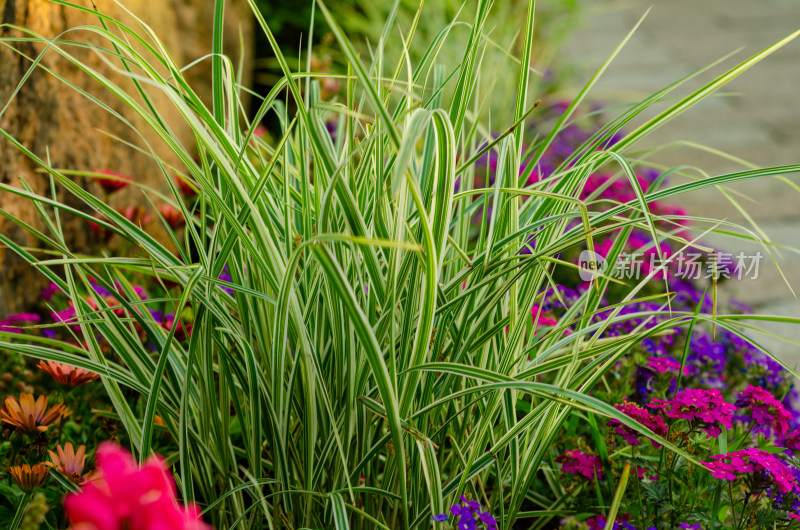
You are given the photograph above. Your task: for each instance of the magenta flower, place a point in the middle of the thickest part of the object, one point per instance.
(653, 422)
(730, 466)
(51, 290)
(112, 181)
(13, 322)
(580, 464)
(765, 410)
(665, 364)
(699, 405)
(543, 320)
(599, 522)
(126, 496)
(792, 441)
(66, 316)
(643, 473)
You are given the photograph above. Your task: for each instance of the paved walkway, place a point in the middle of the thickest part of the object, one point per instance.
(756, 119)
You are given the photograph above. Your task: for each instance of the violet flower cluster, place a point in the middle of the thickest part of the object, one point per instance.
(467, 515)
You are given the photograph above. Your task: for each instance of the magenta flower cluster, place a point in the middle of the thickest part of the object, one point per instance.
(13, 323)
(665, 364)
(599, 522)
(705, 406)
(764, 409)
(731, 466)
(653, 422)
(581, 464)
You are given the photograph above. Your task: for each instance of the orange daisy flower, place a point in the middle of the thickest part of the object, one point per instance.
(29, 415)
(69, 461)
(28, 478)
(66, 374)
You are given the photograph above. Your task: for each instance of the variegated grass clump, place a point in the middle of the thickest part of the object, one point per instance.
(376, 359)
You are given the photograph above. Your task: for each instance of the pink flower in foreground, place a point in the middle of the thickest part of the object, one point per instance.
(126, 496)
(580, 464)
(665, 364)
(730, 465)
(697, 404)
(651, 421)
(765, 409)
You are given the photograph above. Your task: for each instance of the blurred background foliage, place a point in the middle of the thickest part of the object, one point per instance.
(363, 21)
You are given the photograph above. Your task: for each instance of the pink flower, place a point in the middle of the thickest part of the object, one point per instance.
(543, 320)
(792, 441)
(665, 364)
(580, 464)
(66, 316)
(651, 421)
(112, 181)
(765, 409)
(13, 322)
(698, 404)
(644, 473)
(752, 460)
(604, 247)
(187, 187)
(51, 290)
(126, 496)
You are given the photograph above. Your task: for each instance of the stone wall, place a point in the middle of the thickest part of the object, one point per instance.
(54, 120)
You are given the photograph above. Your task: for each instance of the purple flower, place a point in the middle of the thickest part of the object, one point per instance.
(99, 289)
(467, 515)
(158, 316)
(599, 523)
(225, 277)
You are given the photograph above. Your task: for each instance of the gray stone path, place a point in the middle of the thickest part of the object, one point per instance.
(757, 118)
